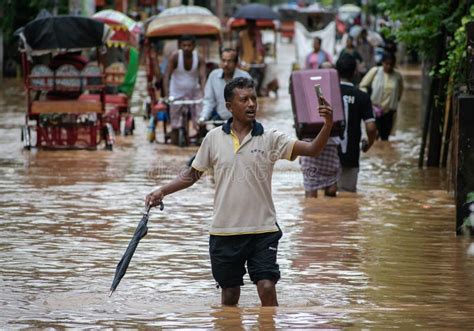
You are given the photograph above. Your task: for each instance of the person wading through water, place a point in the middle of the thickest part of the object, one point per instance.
(244, 228)
(184, 79)
(357, 109)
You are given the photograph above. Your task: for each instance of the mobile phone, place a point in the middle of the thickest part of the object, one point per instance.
(319, 94)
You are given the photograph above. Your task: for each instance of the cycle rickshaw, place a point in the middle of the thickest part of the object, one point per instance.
(265, 79)
(162, 31)
(55, 74)
(121, 68)
(249, 27)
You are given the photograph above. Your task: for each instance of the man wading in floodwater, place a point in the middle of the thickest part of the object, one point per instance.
(244, 227)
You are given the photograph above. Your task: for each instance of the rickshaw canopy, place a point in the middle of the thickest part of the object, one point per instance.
(315, 8)
(113, 17)
(176, 21)
(240, 23)
(125, 29)
(256, 11)
(58, 33)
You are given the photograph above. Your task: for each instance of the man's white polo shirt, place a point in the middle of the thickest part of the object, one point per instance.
(243, 201)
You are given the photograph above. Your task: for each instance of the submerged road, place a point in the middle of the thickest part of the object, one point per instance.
(384, 257)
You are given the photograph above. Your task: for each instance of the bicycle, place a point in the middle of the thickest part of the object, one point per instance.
(186, 116)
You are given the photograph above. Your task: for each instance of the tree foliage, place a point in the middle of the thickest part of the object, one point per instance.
(457, 51)
(430, 25)
(424, 22)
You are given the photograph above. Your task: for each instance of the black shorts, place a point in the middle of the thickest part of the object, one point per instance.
(230, 253)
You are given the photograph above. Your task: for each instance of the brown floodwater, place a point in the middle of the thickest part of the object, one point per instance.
(386, 257)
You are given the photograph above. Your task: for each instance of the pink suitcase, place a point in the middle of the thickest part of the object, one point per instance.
(304, 102)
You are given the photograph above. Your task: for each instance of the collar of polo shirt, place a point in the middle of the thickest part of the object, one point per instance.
(257, 129)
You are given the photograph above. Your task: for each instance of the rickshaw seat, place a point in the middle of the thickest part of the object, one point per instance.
(67, 83)
(65, 107)
(67, 76)
(115, 73)
(46, 76)
(76, 60)
(92, 74)
(120, 100)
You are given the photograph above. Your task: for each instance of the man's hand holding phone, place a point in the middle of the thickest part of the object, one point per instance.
(325, 109)
(319, 94)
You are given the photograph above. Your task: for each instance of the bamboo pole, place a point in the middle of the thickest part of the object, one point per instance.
(426, 124)
(447, 112)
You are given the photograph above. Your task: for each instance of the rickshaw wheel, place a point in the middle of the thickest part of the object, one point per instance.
(109, 136)
(26, 137)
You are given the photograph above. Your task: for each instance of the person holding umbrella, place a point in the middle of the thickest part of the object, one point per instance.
(250, 45)
(252, 51)
(244, 230)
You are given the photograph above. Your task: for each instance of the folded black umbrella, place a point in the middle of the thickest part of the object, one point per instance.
(255, 11)
(140, 232)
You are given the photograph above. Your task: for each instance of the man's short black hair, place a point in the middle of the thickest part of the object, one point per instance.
(240, 83)
(187, 37)
(387, 56)
(231, 50)
(346, 66)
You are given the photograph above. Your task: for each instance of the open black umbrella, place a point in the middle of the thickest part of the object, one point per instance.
(140, 232)
(256, 11)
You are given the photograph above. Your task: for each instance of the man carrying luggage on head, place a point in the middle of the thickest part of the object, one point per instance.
(242, 154)
(252, 52)
(323, 171)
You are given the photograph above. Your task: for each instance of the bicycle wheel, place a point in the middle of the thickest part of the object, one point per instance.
(182, 141)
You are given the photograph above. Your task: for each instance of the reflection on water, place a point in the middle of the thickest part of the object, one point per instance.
(384, 257)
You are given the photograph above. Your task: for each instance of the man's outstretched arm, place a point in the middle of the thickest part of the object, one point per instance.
(314, 148)
(184, 180)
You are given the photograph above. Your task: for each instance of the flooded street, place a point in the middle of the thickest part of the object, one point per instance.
(386, 257)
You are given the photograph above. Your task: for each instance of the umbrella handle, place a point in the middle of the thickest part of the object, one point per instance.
(148, 207)
(162, 206)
